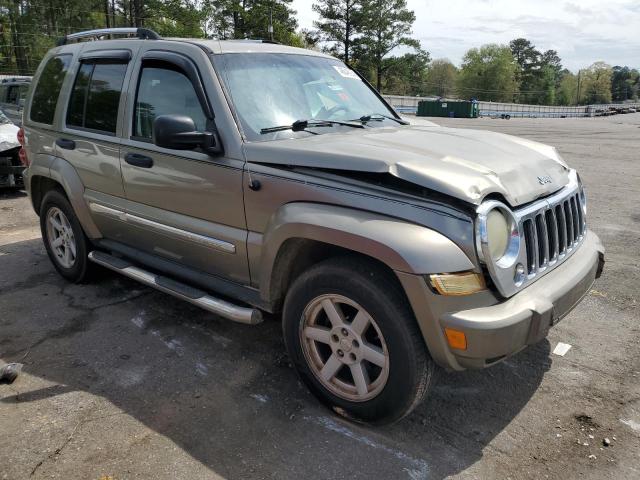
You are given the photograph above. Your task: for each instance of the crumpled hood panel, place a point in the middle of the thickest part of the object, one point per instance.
(466, 164)
(8, 136)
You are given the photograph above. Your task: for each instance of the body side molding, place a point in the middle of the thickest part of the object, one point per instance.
(179, 233)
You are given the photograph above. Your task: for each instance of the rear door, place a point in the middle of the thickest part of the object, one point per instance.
(89, 135)
(185, 206)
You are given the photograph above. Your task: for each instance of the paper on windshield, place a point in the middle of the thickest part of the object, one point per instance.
(346, 72)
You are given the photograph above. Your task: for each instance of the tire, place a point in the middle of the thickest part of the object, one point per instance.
(77, 267)
(365, 294)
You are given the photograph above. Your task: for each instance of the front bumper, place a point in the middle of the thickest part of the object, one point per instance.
(496, 330)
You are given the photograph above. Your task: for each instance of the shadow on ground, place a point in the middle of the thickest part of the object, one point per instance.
(11, 193)
(225, 393)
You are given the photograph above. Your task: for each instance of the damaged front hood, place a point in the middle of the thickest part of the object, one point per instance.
(466, 164)
(8, 136)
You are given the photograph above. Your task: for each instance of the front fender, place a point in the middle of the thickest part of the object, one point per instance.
(400, 245)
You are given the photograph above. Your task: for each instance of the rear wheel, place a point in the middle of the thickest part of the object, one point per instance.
(64, 239)
(353, 339)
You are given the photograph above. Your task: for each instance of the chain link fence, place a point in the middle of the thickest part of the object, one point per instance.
(405, 104)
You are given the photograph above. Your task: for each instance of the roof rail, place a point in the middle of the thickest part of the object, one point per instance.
(141, 33)
(253, 40)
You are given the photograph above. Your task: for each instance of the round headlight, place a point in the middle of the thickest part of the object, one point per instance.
(498, 233)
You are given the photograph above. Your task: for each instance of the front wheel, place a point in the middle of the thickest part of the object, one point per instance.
(353, 339)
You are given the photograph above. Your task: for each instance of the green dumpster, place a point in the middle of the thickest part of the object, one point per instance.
(442, 108)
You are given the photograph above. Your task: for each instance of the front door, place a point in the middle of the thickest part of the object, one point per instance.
(184, 206)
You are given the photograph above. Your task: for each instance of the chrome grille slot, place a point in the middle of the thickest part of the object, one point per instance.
(543, 241)
(530, 242)
(562, 230)
(576, 219)
(580, 216)
(581, 222)
(552, 234)
(569, 222)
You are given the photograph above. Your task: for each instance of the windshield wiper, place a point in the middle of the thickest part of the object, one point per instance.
(300, 125)
(378, 117)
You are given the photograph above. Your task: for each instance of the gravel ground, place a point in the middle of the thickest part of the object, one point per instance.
(122, 382)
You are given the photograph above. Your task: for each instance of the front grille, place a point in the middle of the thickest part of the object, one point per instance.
(552, 231)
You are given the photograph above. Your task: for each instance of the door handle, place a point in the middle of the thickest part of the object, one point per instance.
(66, 144)
(138, 160)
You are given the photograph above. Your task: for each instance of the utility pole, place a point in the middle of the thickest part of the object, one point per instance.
(271, 23)
(578, 90)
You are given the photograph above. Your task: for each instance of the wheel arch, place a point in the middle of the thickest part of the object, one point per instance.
(63, 177)
(301, 234)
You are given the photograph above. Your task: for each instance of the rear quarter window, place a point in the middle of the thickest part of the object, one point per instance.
(47, 91)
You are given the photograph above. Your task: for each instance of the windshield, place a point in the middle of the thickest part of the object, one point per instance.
(274, 89)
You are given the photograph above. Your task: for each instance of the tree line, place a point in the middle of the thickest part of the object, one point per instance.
(517, 72)
(28, 28)
(372, 36)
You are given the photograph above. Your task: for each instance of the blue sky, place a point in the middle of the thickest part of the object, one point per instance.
(582, 31)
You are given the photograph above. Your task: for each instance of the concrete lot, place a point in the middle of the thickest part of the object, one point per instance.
(124, 382)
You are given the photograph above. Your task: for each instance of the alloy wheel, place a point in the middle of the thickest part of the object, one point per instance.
(61, 238)
(344, 348)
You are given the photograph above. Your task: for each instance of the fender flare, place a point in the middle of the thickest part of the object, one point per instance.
(63, 172)
(402, 246)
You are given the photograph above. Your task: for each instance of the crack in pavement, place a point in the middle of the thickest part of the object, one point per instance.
(58, 451)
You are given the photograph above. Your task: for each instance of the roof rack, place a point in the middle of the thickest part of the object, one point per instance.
(253, 40)
(141, 33)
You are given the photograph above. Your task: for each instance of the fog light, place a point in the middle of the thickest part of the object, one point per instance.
(464, 283)
(456, 338)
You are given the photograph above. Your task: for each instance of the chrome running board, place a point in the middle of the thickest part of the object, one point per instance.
(246, 315)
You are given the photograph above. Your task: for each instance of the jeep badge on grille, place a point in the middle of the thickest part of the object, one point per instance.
(543, 179)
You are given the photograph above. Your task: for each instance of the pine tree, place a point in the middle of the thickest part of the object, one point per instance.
(386, 25)
(340, 22)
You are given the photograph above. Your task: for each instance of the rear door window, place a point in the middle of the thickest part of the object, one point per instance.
(47, 91)
(96, 96)
(75, 112)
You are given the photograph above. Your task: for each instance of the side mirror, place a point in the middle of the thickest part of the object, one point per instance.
(178, 132)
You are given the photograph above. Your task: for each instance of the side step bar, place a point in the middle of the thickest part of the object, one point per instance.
(249, 316)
